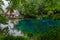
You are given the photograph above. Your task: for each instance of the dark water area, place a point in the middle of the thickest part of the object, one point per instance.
(37, 26)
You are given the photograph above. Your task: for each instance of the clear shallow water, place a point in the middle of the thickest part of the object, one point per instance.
(35, 26)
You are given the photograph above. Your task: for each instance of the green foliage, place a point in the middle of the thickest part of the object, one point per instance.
(1, 2)
(27, 7)
(12, 38)
(53, 34)
(56, 17)
(14, 4)
(30, 8)
(34, 7)
(3, 19)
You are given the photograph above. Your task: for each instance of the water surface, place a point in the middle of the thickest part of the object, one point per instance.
(37, 26)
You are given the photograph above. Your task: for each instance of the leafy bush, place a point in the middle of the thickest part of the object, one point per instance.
(3, 19)
(12, 38)
(53, 34)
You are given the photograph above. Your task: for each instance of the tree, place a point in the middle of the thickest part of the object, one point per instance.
(34, 7)
(25, 6)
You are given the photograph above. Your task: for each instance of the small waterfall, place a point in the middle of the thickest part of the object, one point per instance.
(11, 29)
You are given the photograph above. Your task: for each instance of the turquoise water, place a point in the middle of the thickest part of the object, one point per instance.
(37, 26)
